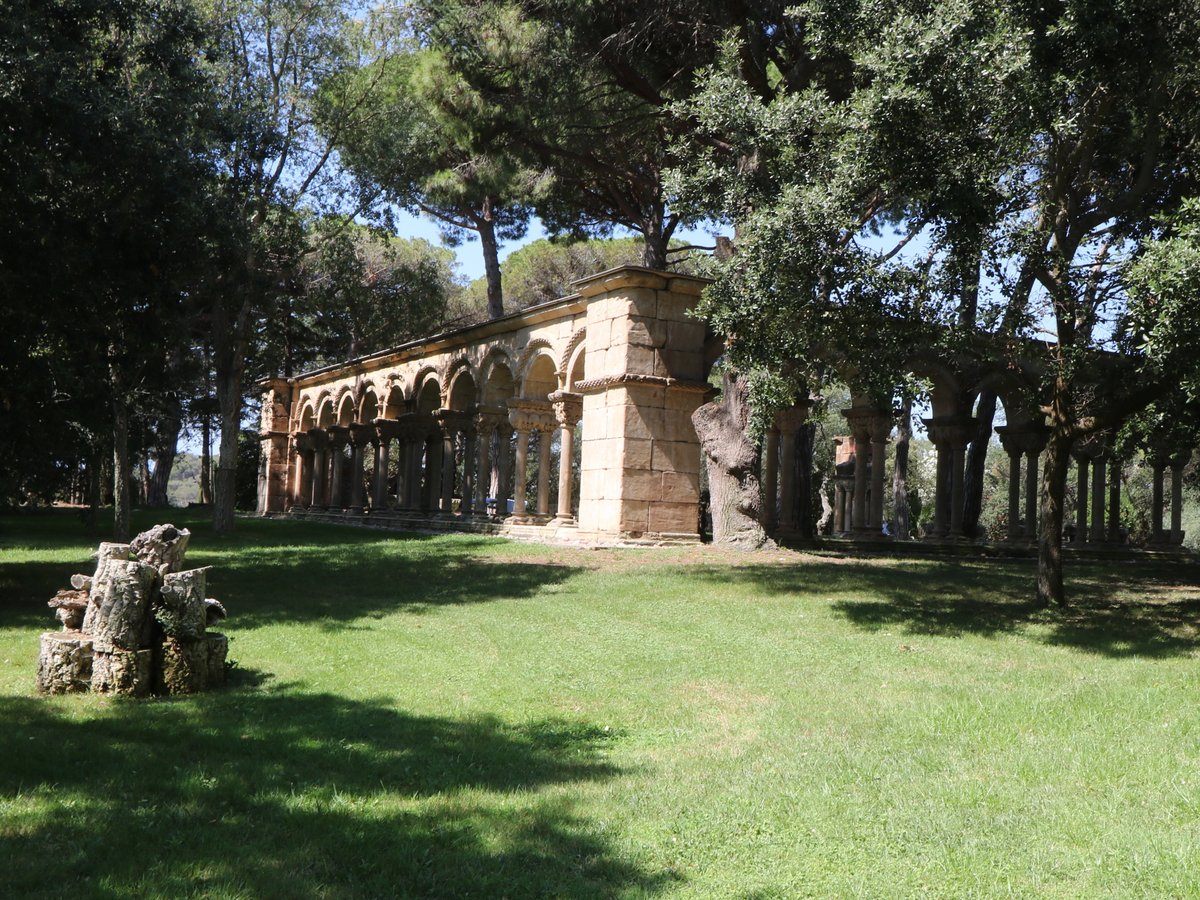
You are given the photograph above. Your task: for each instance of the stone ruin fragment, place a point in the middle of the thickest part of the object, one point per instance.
(137, 626)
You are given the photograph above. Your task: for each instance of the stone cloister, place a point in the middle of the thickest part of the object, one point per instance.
(436, 434)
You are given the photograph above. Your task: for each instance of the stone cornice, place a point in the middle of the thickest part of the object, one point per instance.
(596, 385)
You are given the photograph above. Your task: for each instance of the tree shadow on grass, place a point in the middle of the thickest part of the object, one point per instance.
(951, 599)
(277, 794)
(270, 572)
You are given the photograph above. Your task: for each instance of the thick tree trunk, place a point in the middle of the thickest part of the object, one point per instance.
(491, 265)
(166, 447)
(974, 477)
(1054, 487)
(654, 255)
(121, 499)
(229, 398)
(902, 527)
(732, 462)
(206, 460)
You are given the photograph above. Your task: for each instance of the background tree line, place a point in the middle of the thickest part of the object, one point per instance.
(204, 192)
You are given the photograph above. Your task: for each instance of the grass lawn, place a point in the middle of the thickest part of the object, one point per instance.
(460, 716)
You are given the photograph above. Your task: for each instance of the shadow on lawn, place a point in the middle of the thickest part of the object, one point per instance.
(274, 794)
(269, 572)
(951, 599)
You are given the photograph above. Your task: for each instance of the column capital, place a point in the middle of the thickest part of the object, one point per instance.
(526, 414)
(302, 441)
(1029, 437)
(489, 418)
(790, 420)
(453, 420)
(869, 424)
(1093, 447)
(954, 432)
(339, 436)
(318, 438)
(362, 433)
(568, 408)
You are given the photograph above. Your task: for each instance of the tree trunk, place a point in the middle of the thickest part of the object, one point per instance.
(229, 398)
(1054, 486)
(491, 265)
(973, 478)
(902, 527)
(654, 254)
(166, 447)
(732, 463)
(120, 467)
(206, 460)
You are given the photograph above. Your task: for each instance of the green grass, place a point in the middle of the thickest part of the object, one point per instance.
(458, 716)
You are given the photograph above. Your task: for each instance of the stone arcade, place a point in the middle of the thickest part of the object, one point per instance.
(427, 436)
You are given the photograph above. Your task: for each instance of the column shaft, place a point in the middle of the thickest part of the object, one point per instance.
(543, 478)
(566, 454)
(1177, 504)
(878, 465)
(1098, 484)
(861, 452)
(788, 518)
(770, 464)
(1031, 494)
(518, 488)
(483, 480)
(958, 456)
(468, 485)
(379, 495)
(1014, 495)
(1114, 502)
(449, 465)
(1156, 506)
(1081, 499)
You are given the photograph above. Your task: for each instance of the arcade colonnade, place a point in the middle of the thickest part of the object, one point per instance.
(444, 432)
(859, 486)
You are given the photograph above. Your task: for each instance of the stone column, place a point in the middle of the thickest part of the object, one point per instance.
(951, 435)
(543, 478)
(361, 436)
(789, 422)
(1015, 531)
(839, 508)
(1099, 470)
(504, 468)
(487, 423)
(518, 488)
(1081, 497)
(385, 431)
(468, 485)
(432, 477)
(880, 430)
(320, 470)
(339, 437)
(1027, 440)
(1157, 504)
(302, 491)
(1114, 501)
(568, 409)
(770, 473)
(1177, 464)
(452, 422)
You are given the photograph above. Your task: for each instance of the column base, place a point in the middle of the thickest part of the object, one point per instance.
(562, 520)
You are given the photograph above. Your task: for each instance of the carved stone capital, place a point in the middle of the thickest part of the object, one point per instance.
(868, 425)
(318, 438)
(362, 434)
(489, 418)
(951, 432)
(531, 415)
(568, 408)
(790, 420)
(339, 436)
(1029, 437)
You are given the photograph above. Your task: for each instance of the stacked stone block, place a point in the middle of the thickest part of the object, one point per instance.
(643, 379)
(137, 625)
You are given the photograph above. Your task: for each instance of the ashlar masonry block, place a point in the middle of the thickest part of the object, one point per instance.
(644, 371)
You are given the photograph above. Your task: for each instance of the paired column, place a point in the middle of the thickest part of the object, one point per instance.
(870, 428)
(302, 482)
(527, 417)
(339, 437)
(320, 468)
(568, 410)
(950, 435)
(788, 423)
(1023, 442)
(361, 437)
(385, 431)
(1160, 463)
(490, 423)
